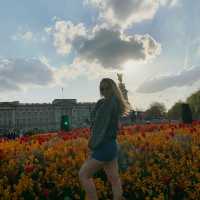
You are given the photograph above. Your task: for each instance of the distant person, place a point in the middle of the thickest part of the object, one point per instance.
(103, 147)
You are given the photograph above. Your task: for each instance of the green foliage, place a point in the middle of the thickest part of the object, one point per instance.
(186, 113)
(194, 102)
(175, 111)
(156, 110)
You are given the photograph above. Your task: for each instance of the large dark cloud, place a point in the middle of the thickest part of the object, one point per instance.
(109, 47)
(185, 78)
(16, 73)
(112, 50)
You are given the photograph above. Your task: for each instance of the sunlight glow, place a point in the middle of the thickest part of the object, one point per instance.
(130, 67)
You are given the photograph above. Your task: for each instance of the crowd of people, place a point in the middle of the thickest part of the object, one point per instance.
(10, 134)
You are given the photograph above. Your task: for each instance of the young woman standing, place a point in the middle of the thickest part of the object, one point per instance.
(103, 145)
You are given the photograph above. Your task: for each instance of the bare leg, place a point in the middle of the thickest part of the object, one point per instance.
(90, 189)
(85, 176)
(111, 170)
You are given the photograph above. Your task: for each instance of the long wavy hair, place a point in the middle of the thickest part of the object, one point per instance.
(114, 90)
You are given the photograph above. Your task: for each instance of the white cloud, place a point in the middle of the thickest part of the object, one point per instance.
(80, 68)
(64, 34)
(27, 36)
(170, 2)
(23, 34)
(187, 77)
(17, 74)
(24, 74)
(127, 12)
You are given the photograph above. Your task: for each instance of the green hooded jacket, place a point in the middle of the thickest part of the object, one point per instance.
(104, 122)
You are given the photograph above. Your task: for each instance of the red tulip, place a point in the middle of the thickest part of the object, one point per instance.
(28, 168)
(171, 134)
(167, 137)
(166, 180)
(143, 134)
(46, 192)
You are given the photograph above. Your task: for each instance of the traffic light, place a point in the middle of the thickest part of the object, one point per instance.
(65, 123)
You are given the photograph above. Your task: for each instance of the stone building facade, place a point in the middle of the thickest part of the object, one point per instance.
(43, 116)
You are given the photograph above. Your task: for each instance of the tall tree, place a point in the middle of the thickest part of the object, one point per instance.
(156, 110)
(175, 111)
(194, 102)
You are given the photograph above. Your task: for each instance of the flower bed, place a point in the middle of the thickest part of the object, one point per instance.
(160, 161)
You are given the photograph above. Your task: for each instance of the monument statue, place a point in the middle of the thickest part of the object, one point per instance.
(119, 77)
(122, 86)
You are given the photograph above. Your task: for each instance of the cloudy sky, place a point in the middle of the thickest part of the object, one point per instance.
(73, 44)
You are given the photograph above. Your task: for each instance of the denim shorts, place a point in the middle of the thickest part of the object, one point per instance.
(106, 152)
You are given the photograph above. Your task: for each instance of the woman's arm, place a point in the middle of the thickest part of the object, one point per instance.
(102, 120)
